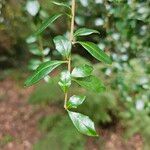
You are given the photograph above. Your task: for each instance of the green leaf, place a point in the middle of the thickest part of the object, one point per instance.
(62, 4)
(91, 83)
(35, 51)
(43, 70)
(33, 64)
(82, 71)
(96, 52)
(63, 45)
(84, 32)
(83, 123)
(65, 81)
(47, 22)
(75, 101)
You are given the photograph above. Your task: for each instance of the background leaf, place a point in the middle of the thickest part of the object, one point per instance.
(47, 22)
(83, 123)
(96, 52)
(62, 4)
(43, 70)
(84, 32)
(91, 83)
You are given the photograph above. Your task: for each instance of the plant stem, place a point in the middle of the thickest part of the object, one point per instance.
(41, 47)
(71, 40)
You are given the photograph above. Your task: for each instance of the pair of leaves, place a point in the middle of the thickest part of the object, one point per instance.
(82, 76)
(92, 48)
(63, 45)
(83, 123)
(43, 70)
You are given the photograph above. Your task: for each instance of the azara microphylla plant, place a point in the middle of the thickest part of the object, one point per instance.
(82, 75)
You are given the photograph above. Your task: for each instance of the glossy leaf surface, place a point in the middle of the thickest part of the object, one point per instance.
(83, 123)
(75, 101)
(43, 70)
(84, 32)
(65, 81)
(96, 52)
(82, 71)
(63, 45)
(91, 83)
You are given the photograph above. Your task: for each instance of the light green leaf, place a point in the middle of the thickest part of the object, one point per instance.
(83, 123)
(84, 32)
(63, 45)
(43, 70)
(47, 22)
(65, 81)
(91, 83)
(75, 101)
(96, 52)
(82, 71)
(35, 51)
(33, 64)
(62, 4)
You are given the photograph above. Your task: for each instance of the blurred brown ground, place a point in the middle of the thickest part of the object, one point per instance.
(19, 120)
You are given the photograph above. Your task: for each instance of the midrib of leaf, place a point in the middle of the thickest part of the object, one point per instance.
(63, 44)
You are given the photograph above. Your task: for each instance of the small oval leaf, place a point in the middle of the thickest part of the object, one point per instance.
(75, 101)
(84, 32)
(63, 45)
(65, 81)
(47, 22)
(91, 83)
(82, 71)
(96, 52)
(43, 70)
(83, 123)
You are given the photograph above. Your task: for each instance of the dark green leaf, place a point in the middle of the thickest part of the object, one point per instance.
(96, 52)
(82, 71)
(47, 22)
(62, 4)
(83, 123)
(65, 81)
(63, 45)
(84, 32)
(91, 83)
(75, 101)
(43, 70)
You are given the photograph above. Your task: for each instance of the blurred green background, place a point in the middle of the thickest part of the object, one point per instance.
(124, 27)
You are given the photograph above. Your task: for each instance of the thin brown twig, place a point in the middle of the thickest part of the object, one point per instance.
(71, 40)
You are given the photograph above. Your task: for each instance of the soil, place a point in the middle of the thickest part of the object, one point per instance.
(19, 122)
